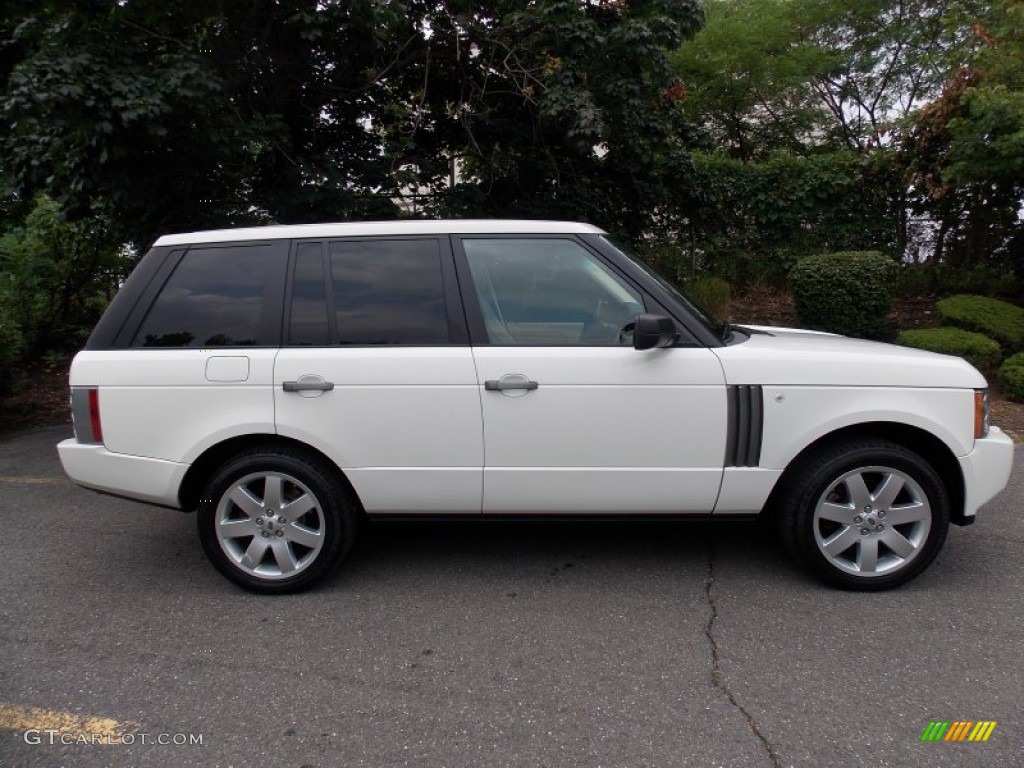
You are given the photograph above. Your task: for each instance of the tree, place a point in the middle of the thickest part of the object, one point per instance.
(563, 108)
(964, 151)
(797, 75)
(748, 76)
(164, 116)
(56, 278)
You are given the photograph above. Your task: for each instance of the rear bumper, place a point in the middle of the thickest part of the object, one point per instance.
(986, 469)
(136, 477)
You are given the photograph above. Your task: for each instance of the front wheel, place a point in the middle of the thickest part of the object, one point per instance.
(865, 514)
(273, 521)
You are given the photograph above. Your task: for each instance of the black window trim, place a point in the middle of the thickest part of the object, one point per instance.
(458, 333)
(273, 305)
(289, 287)
(133, 299)
(670, 306)
(474, 315)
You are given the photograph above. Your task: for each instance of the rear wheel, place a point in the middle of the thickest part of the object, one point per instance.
(865, 514)
(274, 521)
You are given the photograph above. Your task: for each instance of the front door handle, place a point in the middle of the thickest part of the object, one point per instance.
(308, 385)
(510, 381)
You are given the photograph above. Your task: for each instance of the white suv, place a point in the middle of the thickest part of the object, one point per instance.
(286, 381)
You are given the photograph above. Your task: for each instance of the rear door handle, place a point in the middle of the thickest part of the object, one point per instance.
(307, 386)
(510, 381)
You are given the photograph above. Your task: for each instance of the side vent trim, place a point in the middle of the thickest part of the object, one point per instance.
(746, 425)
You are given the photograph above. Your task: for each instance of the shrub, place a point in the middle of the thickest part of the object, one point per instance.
(711, 294)
(1011, 377)
(997, 319)
(977, 349)
(848, 293)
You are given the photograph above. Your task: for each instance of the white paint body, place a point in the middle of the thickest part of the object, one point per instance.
(607, 430)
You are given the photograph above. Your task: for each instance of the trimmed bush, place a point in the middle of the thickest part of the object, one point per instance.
(711, 294)
(997, 319)
(1011, 377)
(977, 349)
(848, 293)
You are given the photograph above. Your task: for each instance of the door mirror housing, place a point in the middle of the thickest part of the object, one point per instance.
(651, 331)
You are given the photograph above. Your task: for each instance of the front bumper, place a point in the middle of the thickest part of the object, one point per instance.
(986, 469)
(136, 477)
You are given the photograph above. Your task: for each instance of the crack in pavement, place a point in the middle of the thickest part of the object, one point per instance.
(716, 667)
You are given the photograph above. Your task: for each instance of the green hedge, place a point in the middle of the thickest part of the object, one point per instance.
(977, 349)
(848, 292)
(711, 294)
(1011, 377)
(997, 319)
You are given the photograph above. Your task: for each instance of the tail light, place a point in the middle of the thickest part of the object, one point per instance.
(85, 414)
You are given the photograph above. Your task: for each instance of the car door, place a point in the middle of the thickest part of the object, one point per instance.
(575, 419)
(376, 372)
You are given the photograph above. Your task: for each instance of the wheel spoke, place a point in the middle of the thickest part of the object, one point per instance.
(272, 493)
(867, 554)
(837, 513)
(908, 513)
(245, 501)
(293, 510)
(859, 494)
(891, 487)
(254, 554)
(232, 529)
(897, 542)
(840, 540)
(300, 534)
(283, 555)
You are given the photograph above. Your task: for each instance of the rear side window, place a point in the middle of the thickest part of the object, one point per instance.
(216, 297)
(378, 292)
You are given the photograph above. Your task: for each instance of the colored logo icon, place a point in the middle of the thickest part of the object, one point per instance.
(958, 730)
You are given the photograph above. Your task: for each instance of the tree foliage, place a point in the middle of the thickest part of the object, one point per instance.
(922, 96)
(796, 75)
(170, 115)
(963, 152)
(56, 278)
(754, 220)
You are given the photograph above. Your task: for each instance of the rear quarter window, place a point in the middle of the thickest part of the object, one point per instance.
(218, 297)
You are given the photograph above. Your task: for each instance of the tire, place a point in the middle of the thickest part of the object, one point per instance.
(273, 520)
(865, 514)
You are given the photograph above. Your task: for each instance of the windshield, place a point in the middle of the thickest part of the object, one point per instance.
(713, 325)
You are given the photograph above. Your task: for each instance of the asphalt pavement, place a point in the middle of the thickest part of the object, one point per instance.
(498, 644)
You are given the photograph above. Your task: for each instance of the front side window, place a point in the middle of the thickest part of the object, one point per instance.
(549, 291)
(216, 297)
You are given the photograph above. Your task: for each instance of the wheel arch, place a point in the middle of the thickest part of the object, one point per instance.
(214, 456)
(920, 441)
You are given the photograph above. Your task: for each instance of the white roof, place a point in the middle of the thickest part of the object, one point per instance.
(401, 227)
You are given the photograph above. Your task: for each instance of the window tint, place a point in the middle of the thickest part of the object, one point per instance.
(549, 291)
(388, 292)
(308, 322)
(214, 298)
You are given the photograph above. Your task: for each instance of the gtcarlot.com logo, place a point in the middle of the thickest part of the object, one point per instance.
(958, 730)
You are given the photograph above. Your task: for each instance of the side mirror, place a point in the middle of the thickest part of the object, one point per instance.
(651, 331)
